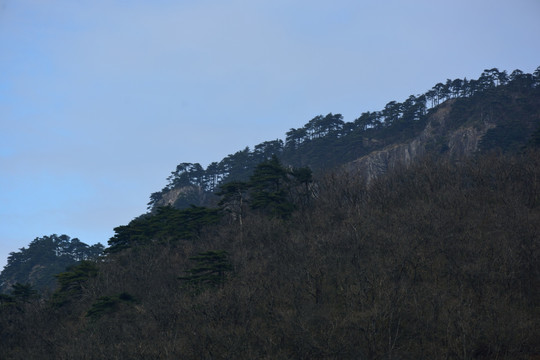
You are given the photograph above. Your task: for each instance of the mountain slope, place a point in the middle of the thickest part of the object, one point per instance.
(479, 115)
(504, 120)
(436, 261)
(439, 259)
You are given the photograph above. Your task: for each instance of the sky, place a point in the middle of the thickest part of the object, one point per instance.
(101, 99)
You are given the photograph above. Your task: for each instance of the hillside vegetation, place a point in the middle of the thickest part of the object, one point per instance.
(502, 110)
(45, 257)
(439, 259)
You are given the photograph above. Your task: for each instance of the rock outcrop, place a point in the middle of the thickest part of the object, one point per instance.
(437, 136)
(182, 197)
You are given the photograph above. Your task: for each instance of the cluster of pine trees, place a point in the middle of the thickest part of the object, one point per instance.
(35, 266)
(328, 141)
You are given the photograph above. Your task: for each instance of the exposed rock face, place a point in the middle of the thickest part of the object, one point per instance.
(170, 197)
(456, 143)
(465, 141)
(182, 197)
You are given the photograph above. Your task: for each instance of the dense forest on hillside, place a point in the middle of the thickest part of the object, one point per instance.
(326, 142)
(439, 259)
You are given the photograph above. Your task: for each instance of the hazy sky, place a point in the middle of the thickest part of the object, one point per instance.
(100, 100)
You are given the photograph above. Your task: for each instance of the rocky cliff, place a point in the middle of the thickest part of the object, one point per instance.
(438, 135)
(182, 197)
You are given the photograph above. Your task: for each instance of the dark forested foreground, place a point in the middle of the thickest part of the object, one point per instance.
(438, 261)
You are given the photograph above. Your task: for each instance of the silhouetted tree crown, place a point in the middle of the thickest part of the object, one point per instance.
(43, 258)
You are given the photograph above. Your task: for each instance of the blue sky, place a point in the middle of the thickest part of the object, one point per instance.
(100, 100)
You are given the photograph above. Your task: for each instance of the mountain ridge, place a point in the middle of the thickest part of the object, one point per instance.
(462, 113)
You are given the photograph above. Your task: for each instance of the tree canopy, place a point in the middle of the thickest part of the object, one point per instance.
(168, 224)
(43, 258)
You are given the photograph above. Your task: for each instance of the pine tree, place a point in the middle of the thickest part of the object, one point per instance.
(210, 270)
(268, 188)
